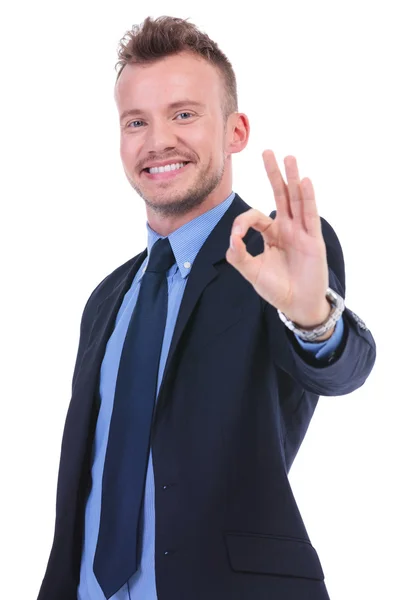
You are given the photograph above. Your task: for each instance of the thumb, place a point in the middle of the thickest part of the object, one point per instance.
(238, 257)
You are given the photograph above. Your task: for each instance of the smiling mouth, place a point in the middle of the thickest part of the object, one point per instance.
(163, 177)
(147, 169)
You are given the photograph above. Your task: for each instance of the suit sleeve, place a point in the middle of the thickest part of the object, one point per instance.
(348, 367)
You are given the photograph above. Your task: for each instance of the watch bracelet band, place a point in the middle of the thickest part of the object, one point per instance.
(338, 307)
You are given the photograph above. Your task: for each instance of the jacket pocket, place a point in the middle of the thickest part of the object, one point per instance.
(273, 555)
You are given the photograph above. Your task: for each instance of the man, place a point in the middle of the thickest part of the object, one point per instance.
(201, 360)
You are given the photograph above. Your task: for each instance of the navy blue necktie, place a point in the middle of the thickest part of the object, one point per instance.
(125, 467)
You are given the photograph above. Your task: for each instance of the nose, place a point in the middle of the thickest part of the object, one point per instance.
(160, 137)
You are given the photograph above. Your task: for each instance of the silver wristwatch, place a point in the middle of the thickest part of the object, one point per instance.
(338, 307)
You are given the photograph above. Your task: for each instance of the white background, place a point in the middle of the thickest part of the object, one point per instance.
(318, 80)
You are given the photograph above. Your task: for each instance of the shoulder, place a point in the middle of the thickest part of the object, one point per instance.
(110, 281)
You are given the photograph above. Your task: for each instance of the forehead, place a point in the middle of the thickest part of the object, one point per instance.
(168, 80)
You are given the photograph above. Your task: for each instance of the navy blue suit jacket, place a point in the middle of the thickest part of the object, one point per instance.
(235, 402)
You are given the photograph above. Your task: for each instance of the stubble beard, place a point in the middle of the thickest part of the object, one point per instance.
(184, 201)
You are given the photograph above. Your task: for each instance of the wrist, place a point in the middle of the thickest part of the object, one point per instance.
(324, 330)
(317, 321)
(310, 322)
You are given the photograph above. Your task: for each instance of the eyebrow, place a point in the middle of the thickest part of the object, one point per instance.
(136, 111)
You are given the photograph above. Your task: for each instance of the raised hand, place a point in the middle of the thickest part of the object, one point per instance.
(292, 272)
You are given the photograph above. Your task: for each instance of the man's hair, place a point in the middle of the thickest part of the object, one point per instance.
(165, 36)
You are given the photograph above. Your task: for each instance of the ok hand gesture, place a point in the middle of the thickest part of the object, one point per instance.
(292, 272)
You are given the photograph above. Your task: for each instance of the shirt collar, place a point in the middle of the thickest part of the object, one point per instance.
(187, 240)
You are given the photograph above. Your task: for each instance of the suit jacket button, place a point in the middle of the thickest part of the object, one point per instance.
(332, 357)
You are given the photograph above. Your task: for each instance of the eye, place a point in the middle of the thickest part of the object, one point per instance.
(136, 121)
(185, 113)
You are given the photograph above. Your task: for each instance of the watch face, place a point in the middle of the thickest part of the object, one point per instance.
(358, 320)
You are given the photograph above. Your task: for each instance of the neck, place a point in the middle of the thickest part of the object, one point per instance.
(164, 225)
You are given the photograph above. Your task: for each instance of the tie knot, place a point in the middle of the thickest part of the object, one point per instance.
(161, 257)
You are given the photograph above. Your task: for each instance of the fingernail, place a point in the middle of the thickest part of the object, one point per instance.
(237, 229)
(231, 243)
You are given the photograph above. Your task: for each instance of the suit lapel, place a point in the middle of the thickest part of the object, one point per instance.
(103, 325)
(83, 408)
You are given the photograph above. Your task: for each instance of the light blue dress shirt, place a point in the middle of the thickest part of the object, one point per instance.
(186, 243)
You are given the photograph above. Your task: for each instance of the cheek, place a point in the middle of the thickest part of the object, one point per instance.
(207, 146)
(127, 152)
(202, 135)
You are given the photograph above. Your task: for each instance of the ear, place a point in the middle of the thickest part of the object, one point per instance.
(237, 132)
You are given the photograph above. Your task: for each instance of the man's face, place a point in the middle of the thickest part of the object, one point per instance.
(161, 130)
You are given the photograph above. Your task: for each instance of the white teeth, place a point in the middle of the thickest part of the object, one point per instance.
(173, 167)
